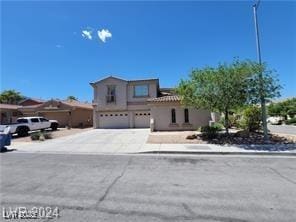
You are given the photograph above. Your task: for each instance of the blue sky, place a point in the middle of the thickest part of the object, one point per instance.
(44, 55)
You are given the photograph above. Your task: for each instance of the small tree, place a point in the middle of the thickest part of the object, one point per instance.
(226, 87)
(11, 97)
(72, 98)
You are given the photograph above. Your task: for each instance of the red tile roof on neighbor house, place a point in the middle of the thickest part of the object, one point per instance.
(77, 104)
(8, 106)
(72, 103)
(33, 99)
(172, 98)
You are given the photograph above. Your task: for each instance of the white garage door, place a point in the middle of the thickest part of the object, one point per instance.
(113, 120)
(142, 120)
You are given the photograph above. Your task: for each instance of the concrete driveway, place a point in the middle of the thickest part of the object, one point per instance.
(92, 141)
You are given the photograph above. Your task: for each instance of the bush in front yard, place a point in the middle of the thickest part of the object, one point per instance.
(210, 132)
(41, 136)
(35, 136)
(47, 135)
(251, 119)
(291, 121)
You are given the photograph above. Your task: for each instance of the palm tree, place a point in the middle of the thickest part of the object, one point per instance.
(11, 97)
(72, 98)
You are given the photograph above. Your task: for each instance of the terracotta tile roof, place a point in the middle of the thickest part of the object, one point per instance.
(8, 106)
(172, 98)
(78, 104)
(29, 107)
(33, 99)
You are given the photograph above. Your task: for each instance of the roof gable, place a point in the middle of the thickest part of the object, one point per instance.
(107, 78)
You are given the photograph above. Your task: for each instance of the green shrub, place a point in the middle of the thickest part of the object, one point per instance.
(41, 136)
(35, 136)
(233, 121)
(251, 119)
(291, 121)
(47, 136)
(218, 126)
(210, 132)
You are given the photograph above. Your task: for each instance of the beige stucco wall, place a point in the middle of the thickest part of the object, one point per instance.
(78, 117)
(161, 115)
(152, 90)
(82, 117)
(125, 102)
(100, 93)
(63, 118)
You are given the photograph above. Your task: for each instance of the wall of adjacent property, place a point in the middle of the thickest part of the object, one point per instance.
(161, 114)
(82, 118)
(63, 118)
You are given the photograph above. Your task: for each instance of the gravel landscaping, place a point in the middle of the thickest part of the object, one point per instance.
(194, 137)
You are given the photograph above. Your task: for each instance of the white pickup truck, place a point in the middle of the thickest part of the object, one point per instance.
(25, 124)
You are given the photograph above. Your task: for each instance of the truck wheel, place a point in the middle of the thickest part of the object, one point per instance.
(22, 131)
(54, 126)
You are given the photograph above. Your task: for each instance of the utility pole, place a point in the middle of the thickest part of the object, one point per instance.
(262, 98)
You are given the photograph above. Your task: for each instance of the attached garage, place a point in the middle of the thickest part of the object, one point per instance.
(142, 119)
(113, 120)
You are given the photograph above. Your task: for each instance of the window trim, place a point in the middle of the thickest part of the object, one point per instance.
(145, 96)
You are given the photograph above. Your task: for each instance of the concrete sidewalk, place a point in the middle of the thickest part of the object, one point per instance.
(144, 148)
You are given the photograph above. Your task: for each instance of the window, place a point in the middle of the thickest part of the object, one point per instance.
(35, 120)
(173, 112)
(43, 120)
(141, 91)
(186, 115)
(110, 98)
(22, 121)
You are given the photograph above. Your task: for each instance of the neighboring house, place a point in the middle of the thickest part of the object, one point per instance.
(9, 113)
(31, 102)
(119, 103)
(69, 113)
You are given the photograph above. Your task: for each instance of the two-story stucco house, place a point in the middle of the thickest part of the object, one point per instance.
(120, 103)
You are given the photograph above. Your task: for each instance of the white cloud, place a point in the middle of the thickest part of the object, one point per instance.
(59, 46)
(87, 34)
(104, 34)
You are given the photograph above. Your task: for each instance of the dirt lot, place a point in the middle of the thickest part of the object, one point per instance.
(55, 134)
(172, 137)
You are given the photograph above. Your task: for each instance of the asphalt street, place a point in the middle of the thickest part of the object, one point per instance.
(151, 187)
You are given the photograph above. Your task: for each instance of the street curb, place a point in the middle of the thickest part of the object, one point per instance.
(219, 153)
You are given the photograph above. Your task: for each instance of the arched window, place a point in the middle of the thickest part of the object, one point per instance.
(186, 115)
(173, 112)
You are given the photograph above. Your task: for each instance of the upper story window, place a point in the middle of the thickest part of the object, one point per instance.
(141, 90)
(111, 98)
